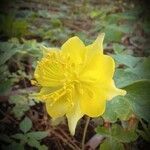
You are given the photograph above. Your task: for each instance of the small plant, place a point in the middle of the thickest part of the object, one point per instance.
(21, 140)
(15, 27)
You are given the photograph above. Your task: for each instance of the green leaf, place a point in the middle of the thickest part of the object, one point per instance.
(25, 125)
(118, 48)
(21, 105)
(117, 108)
(114, 32)
(15, 27)
(118, 28)
(32, 47)
(16, 146)
(139, 98)
(33, 142)
(116, 132)
(7, 50)
(19, 28)
(110, 144)
(5, 86)
(38, 135)
(44, 13)
(42, 147)
(122, 16)
(112, 35)
(127, 60)
(124, 78)
(18, 136)
(142, 69)
(136, 101)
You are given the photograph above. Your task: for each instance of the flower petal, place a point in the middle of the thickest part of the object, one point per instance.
(74, 48)
(45, 92)
(73, 116)
(97, 45)
(46, 50)
(49, 72)
(59, 108)
(92, 102)
(107, 67)
(99, 68)
(110, 91)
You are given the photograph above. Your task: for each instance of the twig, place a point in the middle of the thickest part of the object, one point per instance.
(69, 139)
(63, 139)
(84, 132)
(9, 117)
(59, 146)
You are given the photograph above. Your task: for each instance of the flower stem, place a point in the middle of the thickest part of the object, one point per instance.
(84, 132)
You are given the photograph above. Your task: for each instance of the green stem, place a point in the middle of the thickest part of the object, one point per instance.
(84, 132)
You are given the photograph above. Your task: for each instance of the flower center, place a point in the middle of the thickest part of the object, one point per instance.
(70, 77)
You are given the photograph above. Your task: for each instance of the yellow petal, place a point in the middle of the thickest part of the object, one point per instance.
(97, 45)
(92, 102)
(74, 48)
(45, 92)
(45, 79)
(46, 50)
(49, 72)
(99, 68)
(110, 91)
(58, 109)
(73, 116)
(107, 67)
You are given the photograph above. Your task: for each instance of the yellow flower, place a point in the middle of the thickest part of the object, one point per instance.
(76, 80)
